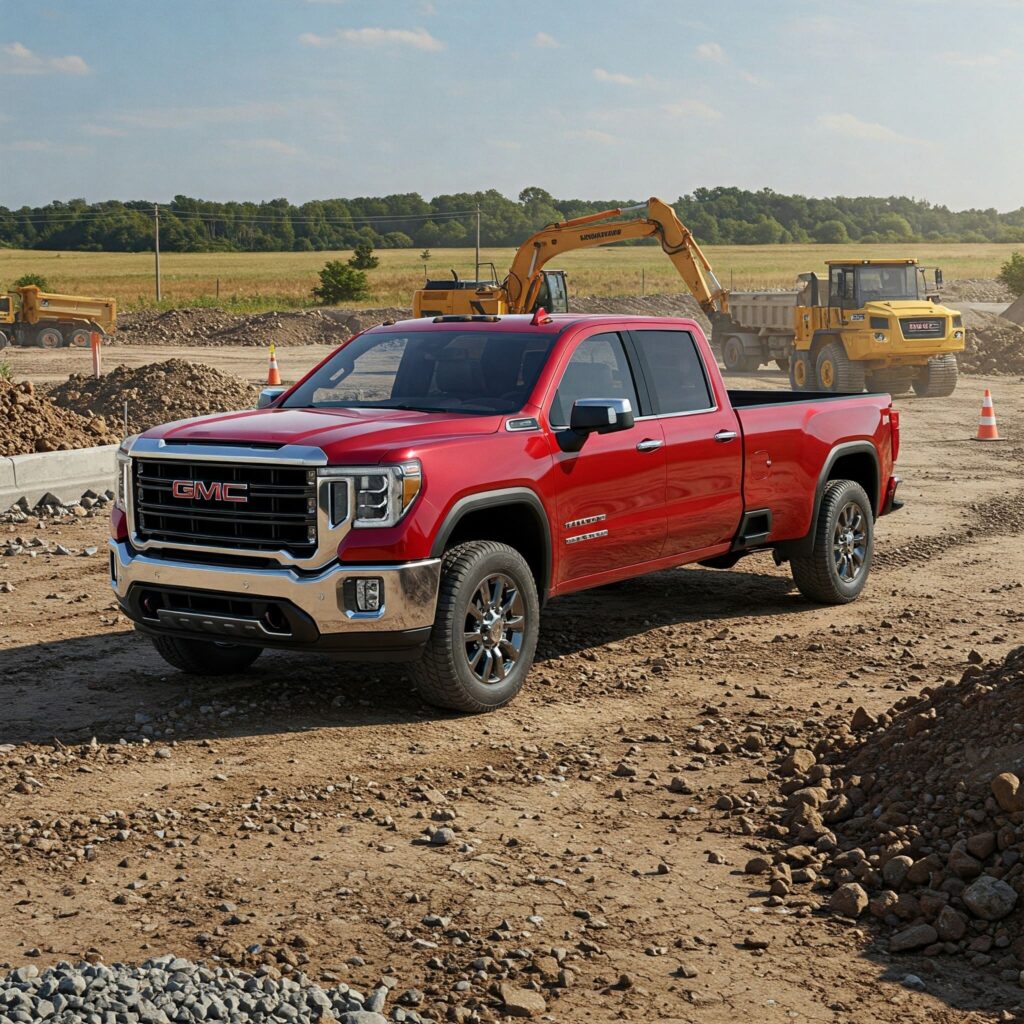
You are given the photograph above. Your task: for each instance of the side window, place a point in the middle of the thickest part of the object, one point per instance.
(598, 369)
(556, 294)
(674, 371)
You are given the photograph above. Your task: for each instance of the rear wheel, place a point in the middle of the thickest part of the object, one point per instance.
(79, 337)
(782, 362)
(49, 337)
(896, 381)
(735, 357)
(485, 631)
(205, 657)
(837, 567)
(837, 373)
(801, 376)
(938, 379)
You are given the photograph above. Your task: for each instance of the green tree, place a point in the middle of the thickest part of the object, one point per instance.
(831, 232)
(363, 258)
(340, 283)
(426, 255)
(37, 279)
(1011, 273)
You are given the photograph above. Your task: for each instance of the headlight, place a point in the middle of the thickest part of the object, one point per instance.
(958, 335)
(373, 495)
(123, 466)
(879, 336)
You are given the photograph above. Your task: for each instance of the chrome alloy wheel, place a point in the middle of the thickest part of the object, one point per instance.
(495, 628)
(849, 542)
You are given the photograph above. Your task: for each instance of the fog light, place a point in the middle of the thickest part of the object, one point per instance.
(369, 594)
(879, 336)
(958, 335)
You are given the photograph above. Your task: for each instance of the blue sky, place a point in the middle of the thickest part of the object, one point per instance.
(257, 99)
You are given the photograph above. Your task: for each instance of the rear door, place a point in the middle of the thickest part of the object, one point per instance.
(703, 444)
(611, 493)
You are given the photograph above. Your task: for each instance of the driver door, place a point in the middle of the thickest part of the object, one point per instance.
(611, 504)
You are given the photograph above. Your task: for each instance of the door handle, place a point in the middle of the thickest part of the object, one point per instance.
(726, 435)
(649, 445)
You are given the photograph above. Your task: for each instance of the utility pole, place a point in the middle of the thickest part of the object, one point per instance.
(156, 246)
(477, 277)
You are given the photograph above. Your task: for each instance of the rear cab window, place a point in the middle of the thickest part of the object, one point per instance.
(673, 371)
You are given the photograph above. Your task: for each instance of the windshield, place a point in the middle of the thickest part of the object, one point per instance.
(878, 284)
(432, 371)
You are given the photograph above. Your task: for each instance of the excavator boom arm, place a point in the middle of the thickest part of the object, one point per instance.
(525, 278)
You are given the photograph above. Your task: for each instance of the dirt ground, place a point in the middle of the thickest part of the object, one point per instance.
(287, 813)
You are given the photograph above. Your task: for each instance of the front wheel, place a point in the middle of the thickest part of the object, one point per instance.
(801, 376)
(485, 630)
(837, 372)
(837, 567)
(938, 379)
(205, 657)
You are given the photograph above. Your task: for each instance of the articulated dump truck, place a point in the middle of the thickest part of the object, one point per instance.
(873, 323)
(30, 317)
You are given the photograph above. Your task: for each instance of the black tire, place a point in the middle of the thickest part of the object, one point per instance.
(836, 373)
(205, 657)
(48, 336)
(735, 357)
(466, 674)
(782, 362)
(939, 378)
(895, 382)
(800, 363)
(820, 575)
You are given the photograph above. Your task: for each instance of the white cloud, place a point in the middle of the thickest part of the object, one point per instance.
(855, 128)
(427, 8)
(615, 77)
(276, 146)
(418, 38)
(712, 52)
(189, 117)
(546, 42)
(692, 108)
(20, 60)
(48, 146)
(102, 131)
(978, 60)
(593, 135)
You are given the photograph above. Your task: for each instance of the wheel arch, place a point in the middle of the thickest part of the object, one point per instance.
(514, 515)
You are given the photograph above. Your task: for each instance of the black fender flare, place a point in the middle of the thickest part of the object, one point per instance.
(495, 499)
(803, 545)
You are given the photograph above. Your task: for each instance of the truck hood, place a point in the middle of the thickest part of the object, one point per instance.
(905, 307)
(347, 430)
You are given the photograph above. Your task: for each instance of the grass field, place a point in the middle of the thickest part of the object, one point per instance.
(257, 281)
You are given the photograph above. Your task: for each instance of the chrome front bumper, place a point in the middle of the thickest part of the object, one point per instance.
(410, 593)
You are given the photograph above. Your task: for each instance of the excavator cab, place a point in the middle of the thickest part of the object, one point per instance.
(553, 294)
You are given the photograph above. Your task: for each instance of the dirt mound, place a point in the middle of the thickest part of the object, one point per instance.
(32, 423)
(917, 817)
(156, 393)
(994, 344)
(216, 327)
(1015, 312)
(975, 290)
(679, 304)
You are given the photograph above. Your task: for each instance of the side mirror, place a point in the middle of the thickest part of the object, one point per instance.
(595, 416)
(268, 396)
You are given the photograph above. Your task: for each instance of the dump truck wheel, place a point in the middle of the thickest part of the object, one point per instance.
(735, 357)
(783, 363)
(837, 567)
(49, 337)
(896, 381)
(485, 631)
(800, 375)
(204, 657)
(837, 373)
(938, 379)
(79, 337)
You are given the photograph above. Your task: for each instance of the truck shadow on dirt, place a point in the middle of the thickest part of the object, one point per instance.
(115, 686)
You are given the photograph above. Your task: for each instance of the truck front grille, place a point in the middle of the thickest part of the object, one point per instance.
(244, 506)
(923, 327)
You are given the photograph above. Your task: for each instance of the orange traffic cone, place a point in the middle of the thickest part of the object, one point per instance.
(987, 429)
(274, 375)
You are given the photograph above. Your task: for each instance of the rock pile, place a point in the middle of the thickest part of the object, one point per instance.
(969, 289)
(32, 423)
(170, 988)
(994, 345)
(156, 393)
(916, 817)
(216, 327)
(679, 304)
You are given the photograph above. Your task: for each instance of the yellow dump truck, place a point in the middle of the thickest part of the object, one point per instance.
(873, 323)
(29, 316)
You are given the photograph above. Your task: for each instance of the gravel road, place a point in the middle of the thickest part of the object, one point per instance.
(579, 854)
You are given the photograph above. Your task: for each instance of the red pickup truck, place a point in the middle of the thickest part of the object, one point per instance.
(427, 487)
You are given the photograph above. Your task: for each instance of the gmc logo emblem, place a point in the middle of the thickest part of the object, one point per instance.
(214, 491)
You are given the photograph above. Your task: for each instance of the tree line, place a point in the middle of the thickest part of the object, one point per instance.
(722, 215)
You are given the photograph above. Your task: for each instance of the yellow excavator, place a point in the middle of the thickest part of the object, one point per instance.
(528, 286)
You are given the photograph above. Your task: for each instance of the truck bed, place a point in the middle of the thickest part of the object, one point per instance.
(750, 399)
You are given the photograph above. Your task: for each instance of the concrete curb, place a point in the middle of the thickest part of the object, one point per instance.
(66, 474)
